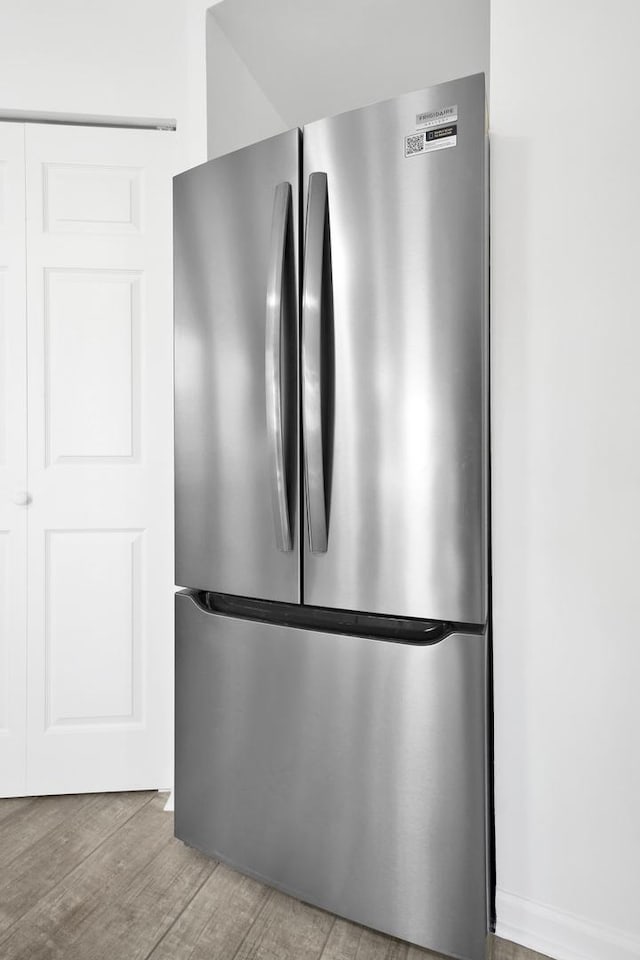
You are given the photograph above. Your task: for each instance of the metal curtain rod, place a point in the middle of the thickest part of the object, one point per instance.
(88, 120)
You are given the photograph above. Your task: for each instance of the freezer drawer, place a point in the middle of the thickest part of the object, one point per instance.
(347, 771)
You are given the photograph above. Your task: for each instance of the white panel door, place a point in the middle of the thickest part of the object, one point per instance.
(100, 661)
(13, 462)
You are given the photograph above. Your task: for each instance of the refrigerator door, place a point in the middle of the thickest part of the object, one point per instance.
(347, 771)
(236, 372)
(394, 356)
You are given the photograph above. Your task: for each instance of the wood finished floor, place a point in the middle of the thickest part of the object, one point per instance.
(101, 877)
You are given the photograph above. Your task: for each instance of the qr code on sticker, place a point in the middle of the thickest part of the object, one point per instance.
(414, 144)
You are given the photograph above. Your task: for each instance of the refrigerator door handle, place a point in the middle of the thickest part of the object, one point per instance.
(312, 400)
(274, 349)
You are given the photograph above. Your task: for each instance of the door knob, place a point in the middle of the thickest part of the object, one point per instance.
(22, 498)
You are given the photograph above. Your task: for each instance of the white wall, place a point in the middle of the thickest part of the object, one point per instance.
(133, 58)
(276, 65)
(122, 57)
(239, 112)
(565, 152)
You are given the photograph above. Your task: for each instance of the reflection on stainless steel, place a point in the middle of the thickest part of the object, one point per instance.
(346, 771)
(408, 483)
(275, 321)
(224, 519)
(313, 316)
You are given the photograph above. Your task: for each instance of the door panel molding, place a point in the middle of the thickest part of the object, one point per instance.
(67, 198)
(119, 388)
(101, 657)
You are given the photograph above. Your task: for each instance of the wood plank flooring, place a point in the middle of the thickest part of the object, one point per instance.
(101, 877)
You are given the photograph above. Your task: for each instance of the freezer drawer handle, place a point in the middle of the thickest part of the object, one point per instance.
(275, 348)
(313, 402)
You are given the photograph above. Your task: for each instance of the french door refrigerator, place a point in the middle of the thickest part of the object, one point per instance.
(331, 514)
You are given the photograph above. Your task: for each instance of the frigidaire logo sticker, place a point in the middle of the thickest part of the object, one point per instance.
(433, 118)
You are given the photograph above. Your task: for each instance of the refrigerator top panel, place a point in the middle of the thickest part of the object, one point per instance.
(236, 372)
(394, 356)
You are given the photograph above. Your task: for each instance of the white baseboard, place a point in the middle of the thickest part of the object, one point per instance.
(560, 935)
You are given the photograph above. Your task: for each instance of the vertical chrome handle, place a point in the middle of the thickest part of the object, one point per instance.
(273, 363)
(312, 361)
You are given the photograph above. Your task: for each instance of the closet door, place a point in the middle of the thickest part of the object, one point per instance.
(100, 459)
(13, 463)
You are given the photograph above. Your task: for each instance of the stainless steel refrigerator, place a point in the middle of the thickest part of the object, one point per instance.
(331, 425)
